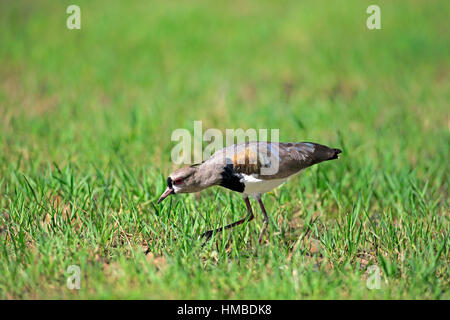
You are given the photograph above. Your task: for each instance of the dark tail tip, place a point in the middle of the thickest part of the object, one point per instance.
(335, 153)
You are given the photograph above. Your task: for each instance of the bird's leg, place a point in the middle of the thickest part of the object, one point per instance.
(249, 217)
(266, 219)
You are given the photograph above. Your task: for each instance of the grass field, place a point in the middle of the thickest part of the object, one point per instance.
(86, 118)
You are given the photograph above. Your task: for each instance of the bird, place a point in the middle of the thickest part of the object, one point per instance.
(250, 168)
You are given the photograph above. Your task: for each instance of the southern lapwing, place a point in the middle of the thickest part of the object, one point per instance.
(251, 168)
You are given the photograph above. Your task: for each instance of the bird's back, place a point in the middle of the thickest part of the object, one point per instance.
(272, 160)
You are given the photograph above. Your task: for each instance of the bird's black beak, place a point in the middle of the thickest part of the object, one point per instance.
(166, 193)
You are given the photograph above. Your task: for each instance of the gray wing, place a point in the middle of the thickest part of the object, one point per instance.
(270, 160)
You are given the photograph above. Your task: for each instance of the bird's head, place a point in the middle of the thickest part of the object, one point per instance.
(182, 180)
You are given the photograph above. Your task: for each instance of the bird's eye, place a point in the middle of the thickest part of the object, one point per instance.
(178, 181)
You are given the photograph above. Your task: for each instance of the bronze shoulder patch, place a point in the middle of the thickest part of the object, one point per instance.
(246, 161)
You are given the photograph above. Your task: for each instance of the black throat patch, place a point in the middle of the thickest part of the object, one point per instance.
(231, 180)
(169, 182)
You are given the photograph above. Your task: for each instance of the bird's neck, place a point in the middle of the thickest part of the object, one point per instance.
(207, 176)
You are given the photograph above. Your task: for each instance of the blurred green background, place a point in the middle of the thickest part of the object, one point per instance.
(86, 118)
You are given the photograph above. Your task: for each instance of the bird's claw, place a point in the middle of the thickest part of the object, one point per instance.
(207, 235)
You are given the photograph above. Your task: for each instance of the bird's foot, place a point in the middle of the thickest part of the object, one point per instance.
(207, 235)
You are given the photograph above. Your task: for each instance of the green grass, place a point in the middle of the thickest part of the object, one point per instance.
(85, 124)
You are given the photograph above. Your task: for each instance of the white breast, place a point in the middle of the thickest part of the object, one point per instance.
(254, 185)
